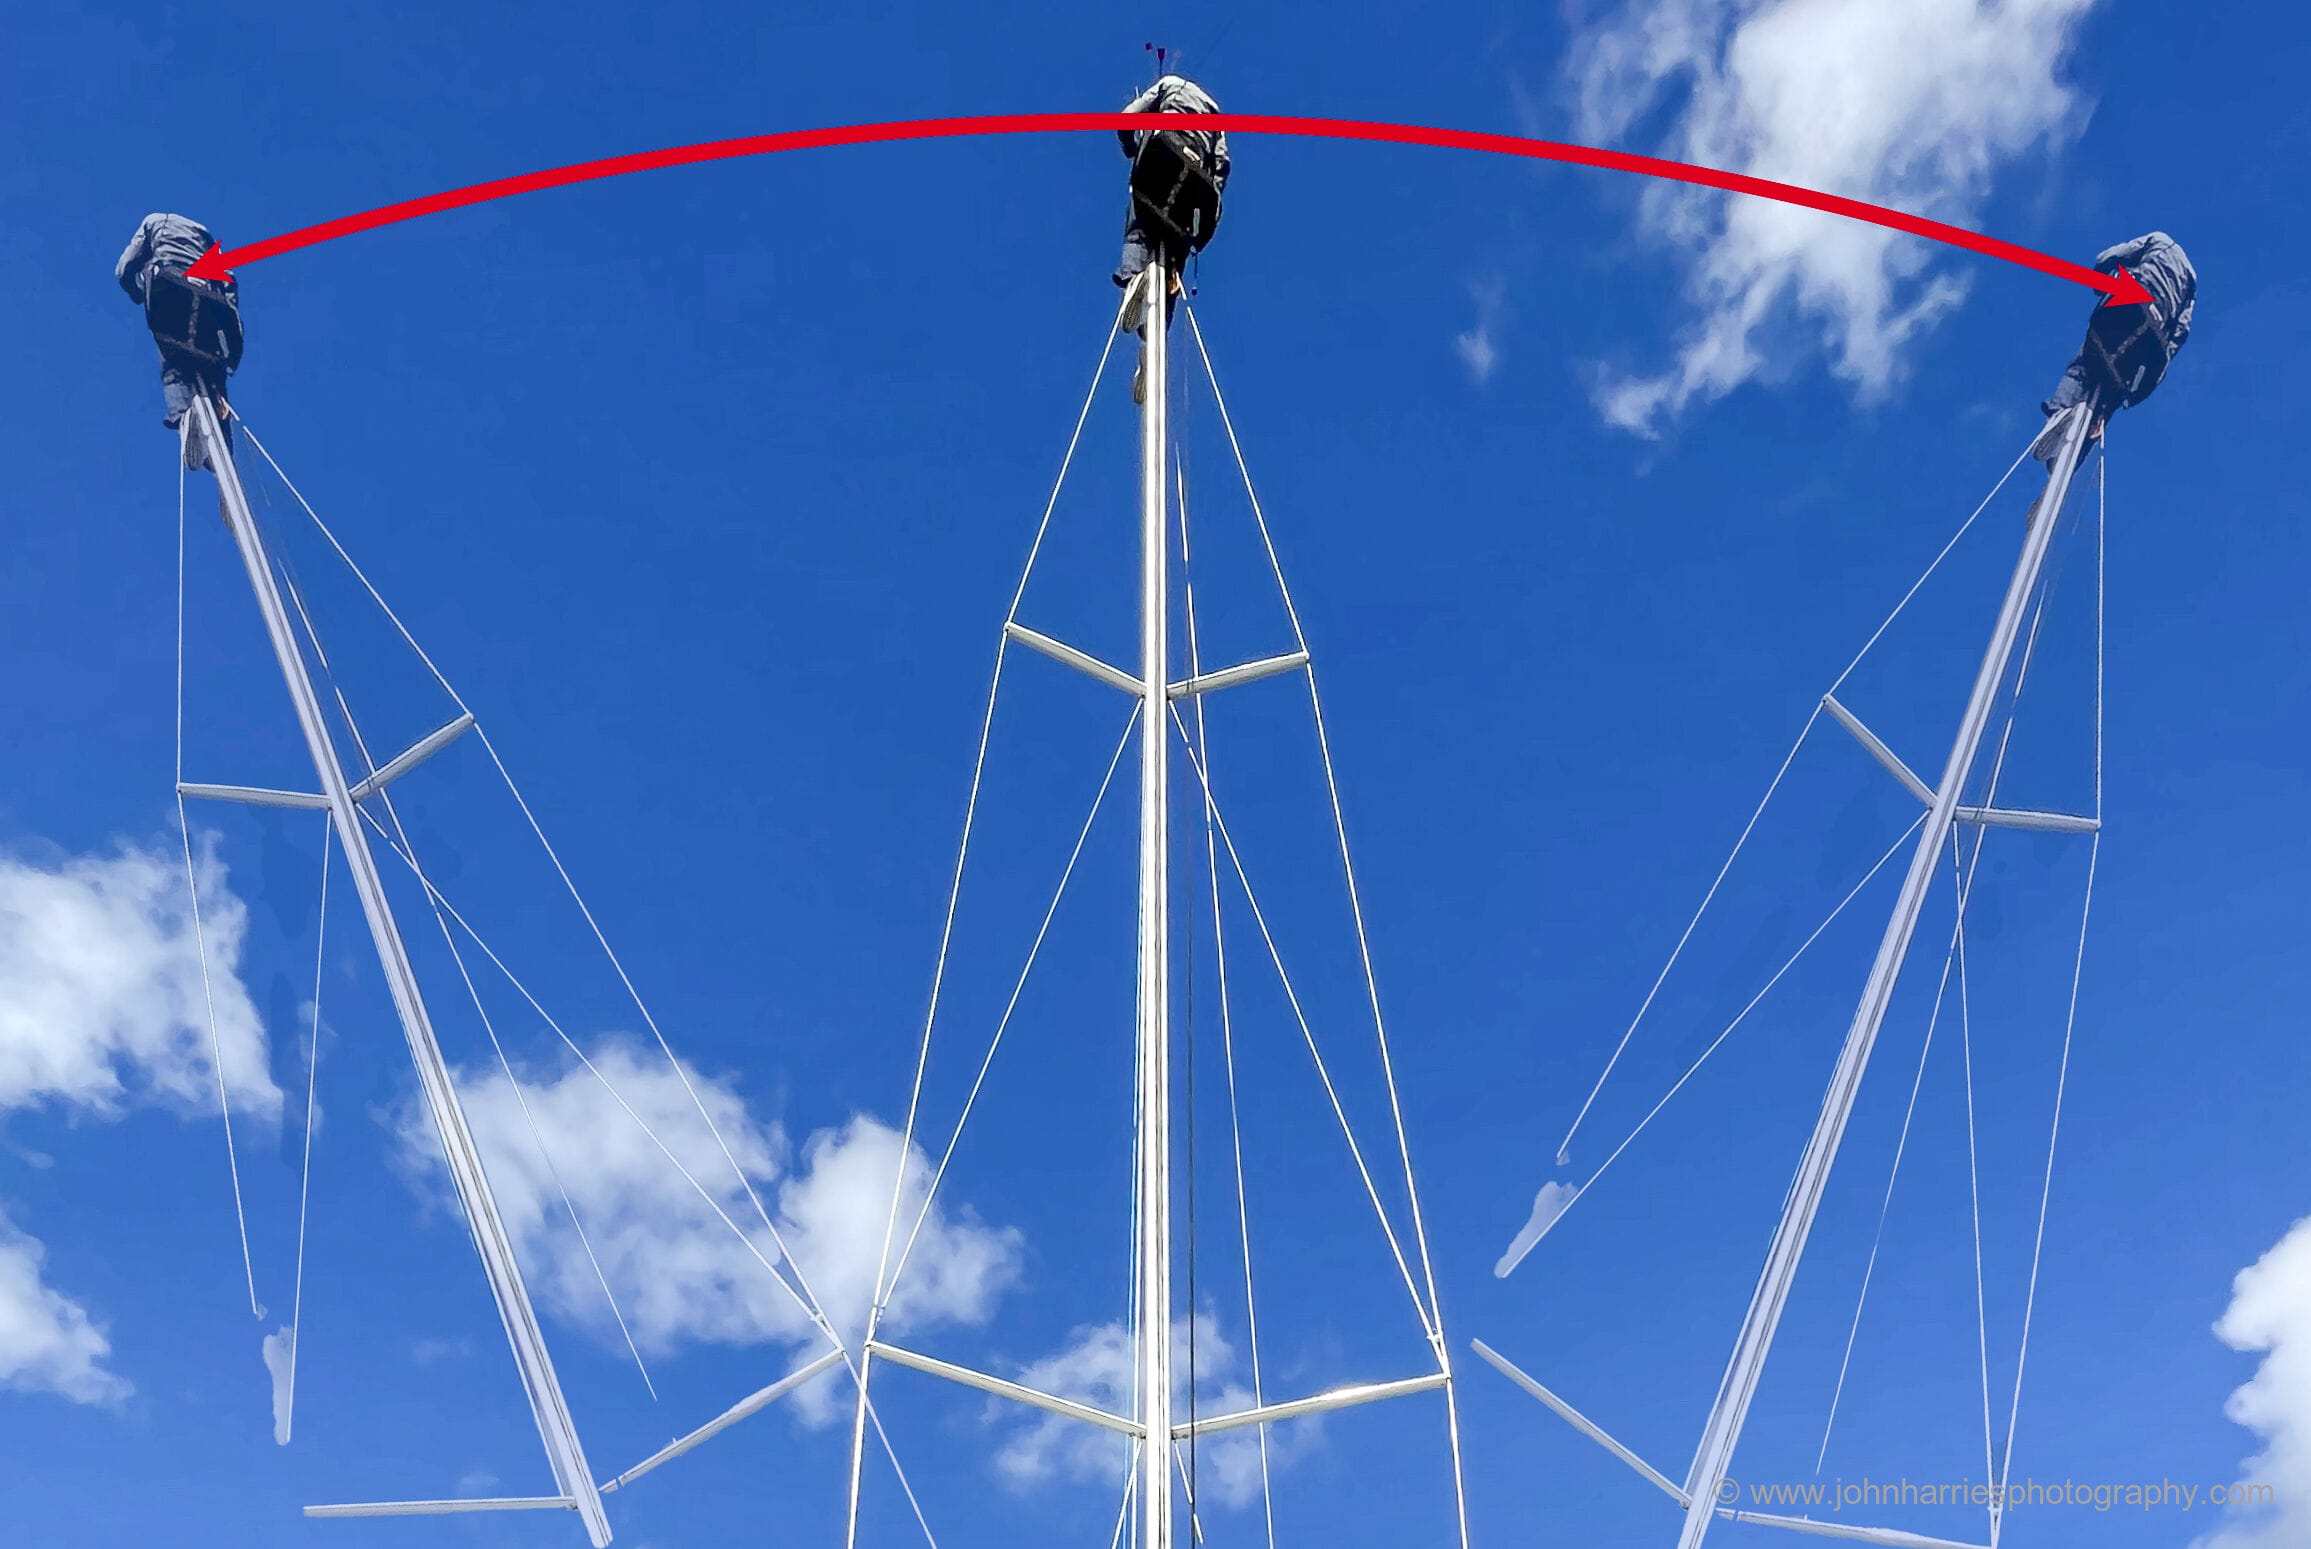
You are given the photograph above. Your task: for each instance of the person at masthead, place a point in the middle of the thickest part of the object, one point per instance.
(196, 323)
(2128, 348)
(1177, 175)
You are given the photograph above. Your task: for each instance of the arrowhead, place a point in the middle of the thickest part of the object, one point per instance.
(2127, 291)
(211, 266)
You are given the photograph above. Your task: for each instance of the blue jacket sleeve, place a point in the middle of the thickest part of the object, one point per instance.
(130, 270)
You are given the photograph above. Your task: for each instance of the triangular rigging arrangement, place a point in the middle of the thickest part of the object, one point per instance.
(1160, 1426)
(1938, 828)
(359, 806)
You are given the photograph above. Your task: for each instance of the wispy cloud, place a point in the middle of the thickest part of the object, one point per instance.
(103, 1009)
(1479, 346)
(681, 1274)
(2270, 1315)
(1095, 1367)
(427, 1351)
(1917, 106)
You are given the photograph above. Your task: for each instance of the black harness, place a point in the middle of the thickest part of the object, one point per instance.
(191, 317)
(1174, 191)
(2126, 351)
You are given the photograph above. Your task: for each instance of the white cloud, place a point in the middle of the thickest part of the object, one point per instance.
(2270, 1314)
(1914, 105)
(832, 1212)
(101, 1004)
(48, 1342)
(1478, 349)
(102, 1009)
(681, 1275)
(1095, 1367)
(279, 1348)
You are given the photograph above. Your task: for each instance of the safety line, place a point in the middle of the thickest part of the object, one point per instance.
(1308, 1035)
(193, 890)
(1433, 1316)
(1963, 891)
(312, 1087)
(2078, 964)
(407, 850)
(1886, 1204)
(601, 939)
(1740, 1017)
(1202, 745)
(571, 1044)
(1018, 986)
(1564, 1148)
(1973, 1166)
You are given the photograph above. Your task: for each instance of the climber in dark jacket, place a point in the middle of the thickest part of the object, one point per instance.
(2128, 348)
(164, 247)
(1142, 246)
(1171, 94)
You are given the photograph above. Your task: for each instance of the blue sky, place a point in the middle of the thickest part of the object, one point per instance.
(706, 489)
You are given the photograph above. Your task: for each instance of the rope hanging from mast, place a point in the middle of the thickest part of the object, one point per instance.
(193, 894)
(305, 1171)
(1549, 1210)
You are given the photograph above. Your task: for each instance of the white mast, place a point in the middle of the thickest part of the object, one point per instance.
(555, 1426)
(1723, 1431)
(1154, 1148)
(1151, 1421)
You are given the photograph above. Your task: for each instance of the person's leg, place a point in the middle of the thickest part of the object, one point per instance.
(1138, 252)
(176, 392)
(178, 383)
(212, 382)
(2068, 395)
(2093, 440)
(1175, 258)
(2071, 390)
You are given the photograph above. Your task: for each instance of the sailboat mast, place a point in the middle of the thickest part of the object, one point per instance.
(1723, 1431)
(556, 1428)
(1154, 1353)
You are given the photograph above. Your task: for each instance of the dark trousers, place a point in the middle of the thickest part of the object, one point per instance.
(2071, 391)
(1139, 250)
(181, 376)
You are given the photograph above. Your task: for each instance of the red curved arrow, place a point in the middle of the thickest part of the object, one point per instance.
(2121, 287)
